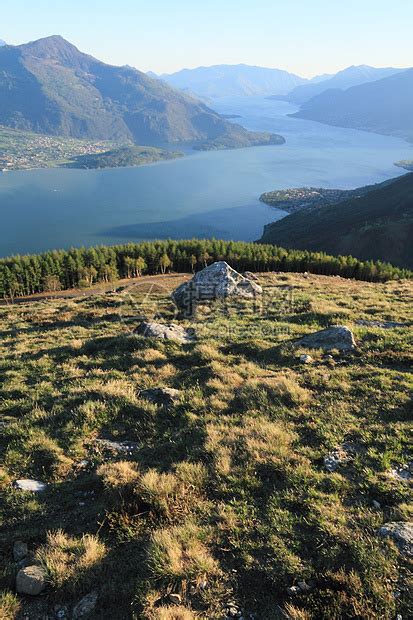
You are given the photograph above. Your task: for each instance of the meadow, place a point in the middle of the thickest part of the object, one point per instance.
(216, 503)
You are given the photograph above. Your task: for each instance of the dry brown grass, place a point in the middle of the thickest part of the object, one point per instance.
(67, 559)
(9, 606)
(294, 613)
(117, 388)
(171, 613)
(161, 495)
(179, 553)
(118, 475)
(283, 386)
(258, 440)
(151, 355)
(208, 352)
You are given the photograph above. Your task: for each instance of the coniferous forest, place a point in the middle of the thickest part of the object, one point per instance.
(83, 267)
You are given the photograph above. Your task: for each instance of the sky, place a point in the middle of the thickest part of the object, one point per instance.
(307, 37)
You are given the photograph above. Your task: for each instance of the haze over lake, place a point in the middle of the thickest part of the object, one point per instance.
(205, 194)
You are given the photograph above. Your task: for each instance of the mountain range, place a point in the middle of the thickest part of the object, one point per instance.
(2, 42)
(233, 81)
(243, 80)
(48, 86)
(384, 106)
(351, 76)
(378, 226)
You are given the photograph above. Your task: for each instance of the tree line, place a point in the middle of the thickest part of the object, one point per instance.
(82, 267)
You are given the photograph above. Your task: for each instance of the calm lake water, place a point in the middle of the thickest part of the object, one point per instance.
(204, 194)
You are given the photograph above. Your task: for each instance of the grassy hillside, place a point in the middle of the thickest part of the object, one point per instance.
(48, 86)
(377, 226)
(222, 500)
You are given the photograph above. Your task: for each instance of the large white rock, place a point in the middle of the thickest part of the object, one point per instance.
(217, 281)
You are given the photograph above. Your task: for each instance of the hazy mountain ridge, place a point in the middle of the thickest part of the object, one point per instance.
(49, 86)
(347, 78)
(377, 226)
(384, 106)
(233, 81)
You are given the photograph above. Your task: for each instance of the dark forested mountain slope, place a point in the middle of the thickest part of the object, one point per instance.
(376, 226)
(49, 86)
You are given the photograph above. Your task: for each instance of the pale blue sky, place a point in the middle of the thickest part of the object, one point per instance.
(303, 36)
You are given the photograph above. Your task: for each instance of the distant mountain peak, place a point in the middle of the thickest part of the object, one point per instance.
(55, 47)
(59, 90)
(2, 42)
(233, 80)
(354, 75)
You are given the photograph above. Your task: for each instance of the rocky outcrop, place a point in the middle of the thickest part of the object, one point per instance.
(337, 337)
(217, 281)
(165, 331)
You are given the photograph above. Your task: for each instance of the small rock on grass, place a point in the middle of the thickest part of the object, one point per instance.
(306, 359)
(85, 606)
(31, 580)
(340, 456)
(402, 473)
(304, 586)
(165, 331)
(114, 447)
(401, 533)
(27, 484)
(337, 337)
(161, 396)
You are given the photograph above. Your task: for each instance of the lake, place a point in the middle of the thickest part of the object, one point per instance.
(204, 194)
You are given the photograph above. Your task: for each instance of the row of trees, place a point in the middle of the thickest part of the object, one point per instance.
(83, 267)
